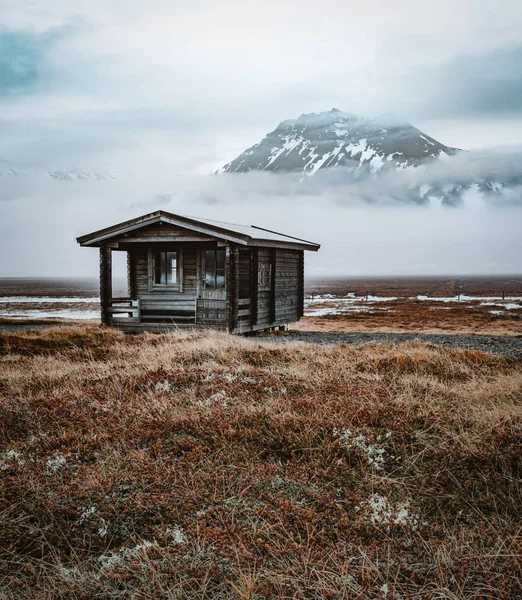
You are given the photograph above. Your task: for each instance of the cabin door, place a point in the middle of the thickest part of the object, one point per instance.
(213, 269)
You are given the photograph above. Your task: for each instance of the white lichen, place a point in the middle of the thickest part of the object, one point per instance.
(217, 398)
(177, 534)
(103, 530)
(111, 560)
(163, 386)
(86, 512)
(143, 545)
(376, 455)
(116, 558)
(382, 512)
(10, 458)
(56, 463)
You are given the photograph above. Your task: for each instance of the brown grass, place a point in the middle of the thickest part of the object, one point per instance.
(202, 465)
(414, 316)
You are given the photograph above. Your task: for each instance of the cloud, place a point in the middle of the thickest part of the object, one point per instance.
(469, 86)
(365, 227)
(196, 84)
(26, 59)
(185, 87)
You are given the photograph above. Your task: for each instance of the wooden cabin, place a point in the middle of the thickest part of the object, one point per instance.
(187, 272)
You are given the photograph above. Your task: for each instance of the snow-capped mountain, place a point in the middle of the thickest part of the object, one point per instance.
(8, 168)
(338, 139)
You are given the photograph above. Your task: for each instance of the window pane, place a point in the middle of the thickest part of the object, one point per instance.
(210, 261)
(171, 260)
(210, 281)
(220, 259)
(159, 270)
(220, 279)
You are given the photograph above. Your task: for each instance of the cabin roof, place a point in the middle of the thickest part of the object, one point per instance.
(248, 235)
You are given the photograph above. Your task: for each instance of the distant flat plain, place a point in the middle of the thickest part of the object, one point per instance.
(489, 305)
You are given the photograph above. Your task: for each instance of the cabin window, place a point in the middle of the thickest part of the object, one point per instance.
(215, 269)
(264, 278)
(166, 268)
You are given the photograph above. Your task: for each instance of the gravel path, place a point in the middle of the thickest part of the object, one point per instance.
(504, 345)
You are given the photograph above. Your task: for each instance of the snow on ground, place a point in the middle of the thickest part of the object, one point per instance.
(507, 306)
(51, 314)
(49, 307)
(44, 299)
(314, 307)
(323, 312)
(328, 304)
(463, 298)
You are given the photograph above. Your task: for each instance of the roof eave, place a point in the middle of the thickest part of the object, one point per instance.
(103, 235)
(216, 231)
(92, 239)
(281, 244)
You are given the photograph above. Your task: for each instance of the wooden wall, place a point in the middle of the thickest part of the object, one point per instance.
(287, 263)
(139, 272)
(264, 259)
(279, 305)
(244, 272)
(211, 312)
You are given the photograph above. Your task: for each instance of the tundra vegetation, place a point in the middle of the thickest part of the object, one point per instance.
(407, 315)
(201, 465)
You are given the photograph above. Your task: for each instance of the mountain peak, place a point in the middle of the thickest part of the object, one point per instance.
(335, 138)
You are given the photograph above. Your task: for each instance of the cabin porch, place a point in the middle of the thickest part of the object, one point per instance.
(127, 314)
(199, 296)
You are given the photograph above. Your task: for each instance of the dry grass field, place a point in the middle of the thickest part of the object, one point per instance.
(207, 466)
(482, 309)
(416, 316)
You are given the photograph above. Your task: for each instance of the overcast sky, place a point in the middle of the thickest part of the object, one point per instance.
(192, 84)
(164, 88)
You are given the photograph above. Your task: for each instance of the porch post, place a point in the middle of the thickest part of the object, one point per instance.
(105, 283)
(254, 270)
(273, 254)
(233, 291)
(300, 288)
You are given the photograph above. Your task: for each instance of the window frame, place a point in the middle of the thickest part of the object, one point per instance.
(178, 286)
(205, 286)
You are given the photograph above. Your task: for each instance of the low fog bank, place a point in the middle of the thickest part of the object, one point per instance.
(365, 227)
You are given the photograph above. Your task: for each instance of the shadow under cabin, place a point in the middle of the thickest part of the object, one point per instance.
(186, 272)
